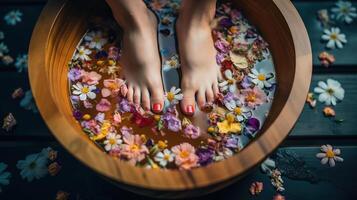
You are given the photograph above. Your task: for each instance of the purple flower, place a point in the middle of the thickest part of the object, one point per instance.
(100, 117)
(221, 46)
(124, 106)
(226, 22)
(171, 122)
(192, 131)
(205, 156)
(252, 126)
(245, 82)
(126, 130)
(74, 74)
(219, 58)
(77, 114)
(233, 142)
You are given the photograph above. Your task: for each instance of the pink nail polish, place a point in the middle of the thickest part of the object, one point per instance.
(190, 109)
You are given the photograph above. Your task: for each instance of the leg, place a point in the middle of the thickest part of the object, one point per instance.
(198, 55)
(140, 59)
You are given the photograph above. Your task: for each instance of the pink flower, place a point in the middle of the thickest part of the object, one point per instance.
(91, 78)
(123, 90)
(112, 87)
(87, 104)
(134, 148)
(117, 118)
(192, 131)
(185, 156)
(253, 97)
(103, 106)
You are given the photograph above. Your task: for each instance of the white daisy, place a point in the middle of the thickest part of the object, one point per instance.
(334, 38)
(330, 93)
(4, 175)
(173, 96)
(329, 155)
(240, 111)
(95, 39)
(262, 78)
(230, 84)
(344, 11)
(112, 141)
(21, 62)
(164, 157)
(12, 17)
(172, 63)
(33, 167)
(82, 54)
(84, 91)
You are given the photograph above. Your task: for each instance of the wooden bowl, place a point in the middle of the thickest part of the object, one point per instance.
(59, 30)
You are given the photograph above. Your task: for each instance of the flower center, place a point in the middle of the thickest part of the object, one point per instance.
(32, 165)
(173, 63)
(184, 154)
(112, 141)
(250, 97)
(170, 96)
(96, 39)
(230, 81)
(230, 118)
(330, 153)
(330, 91)
(134, 147)
(81, 52)
(261, 77)
(85, 90)
(166, 156)
(344, 10)
(333, 36)
(238, 111)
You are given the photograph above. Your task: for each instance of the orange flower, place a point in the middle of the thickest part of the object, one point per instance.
(329, 111)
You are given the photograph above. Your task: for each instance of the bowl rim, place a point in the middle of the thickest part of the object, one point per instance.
(157, 179)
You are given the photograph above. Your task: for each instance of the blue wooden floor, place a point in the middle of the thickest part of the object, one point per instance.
(304, 177)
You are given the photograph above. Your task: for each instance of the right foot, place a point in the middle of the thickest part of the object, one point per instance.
(141, 61)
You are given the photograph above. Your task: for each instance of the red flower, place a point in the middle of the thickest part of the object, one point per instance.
(227, 64)
(141, 120)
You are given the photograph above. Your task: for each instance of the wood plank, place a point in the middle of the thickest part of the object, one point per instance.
(316, 180)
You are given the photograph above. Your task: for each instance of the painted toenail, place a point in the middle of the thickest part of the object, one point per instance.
(157, 107)
(190, 109)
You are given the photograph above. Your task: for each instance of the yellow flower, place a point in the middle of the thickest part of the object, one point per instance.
(104, 130)
(229, 125)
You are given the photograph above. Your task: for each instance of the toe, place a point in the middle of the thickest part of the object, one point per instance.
(201, 98)
(157, 99)
(137, 95)
(209, 95)
(145, 99)
(188, 101)
(130, 93)
(215, 89)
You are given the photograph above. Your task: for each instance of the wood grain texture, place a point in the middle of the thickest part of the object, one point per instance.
(58, 31)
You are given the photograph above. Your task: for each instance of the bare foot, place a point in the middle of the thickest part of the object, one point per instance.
(140, 59)
(198, 56)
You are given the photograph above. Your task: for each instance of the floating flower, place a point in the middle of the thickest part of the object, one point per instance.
(21, 62)
(233, 142)
(276, 180)
(124, 105)
(268, 165)
(230, 84)
(172, 63)
(33, 167)
(326, 59)
(253, 97)
(7, 60)
(238, 60)
(9, 122)
(344, 11)
(205, 156)
(75, 74)
(329, 155)
(82, 54)
(13, 17)
(192, 131)
(95, 39)
(113, 53)
(112, 87)
(173, 96)
(256, 188)
(310, 99)
(229, 125)
(334, 38)
(323, 17)
(17, 93)
(103, 132)
(237, 109)
(278, 197)
(103, 106)
(91, 78)
(4, 175)
(112, 141)
(164, 157)
(185, 157)
(262, 78)
(54, 168)
(84, 91)
(3, 49)
(329, 112)
(252, 126)
(172, 122)
(28, 103)
(330, 92)
(133, 148)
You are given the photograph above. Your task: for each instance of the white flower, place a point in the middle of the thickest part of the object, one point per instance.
(12, 17)
(344, 11)
(164, 157)
(329, 155)
(229, 84)
(268, 165)
(82, 54)
(240, 111)
(95, 39)
(330, 93)
(84, 91)
(4, 175)
(334, 38)
(33, 167)
(3, 49)
(21, 62)
(112, 141)
(172, 63)
(261, 78)
(173, 96)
